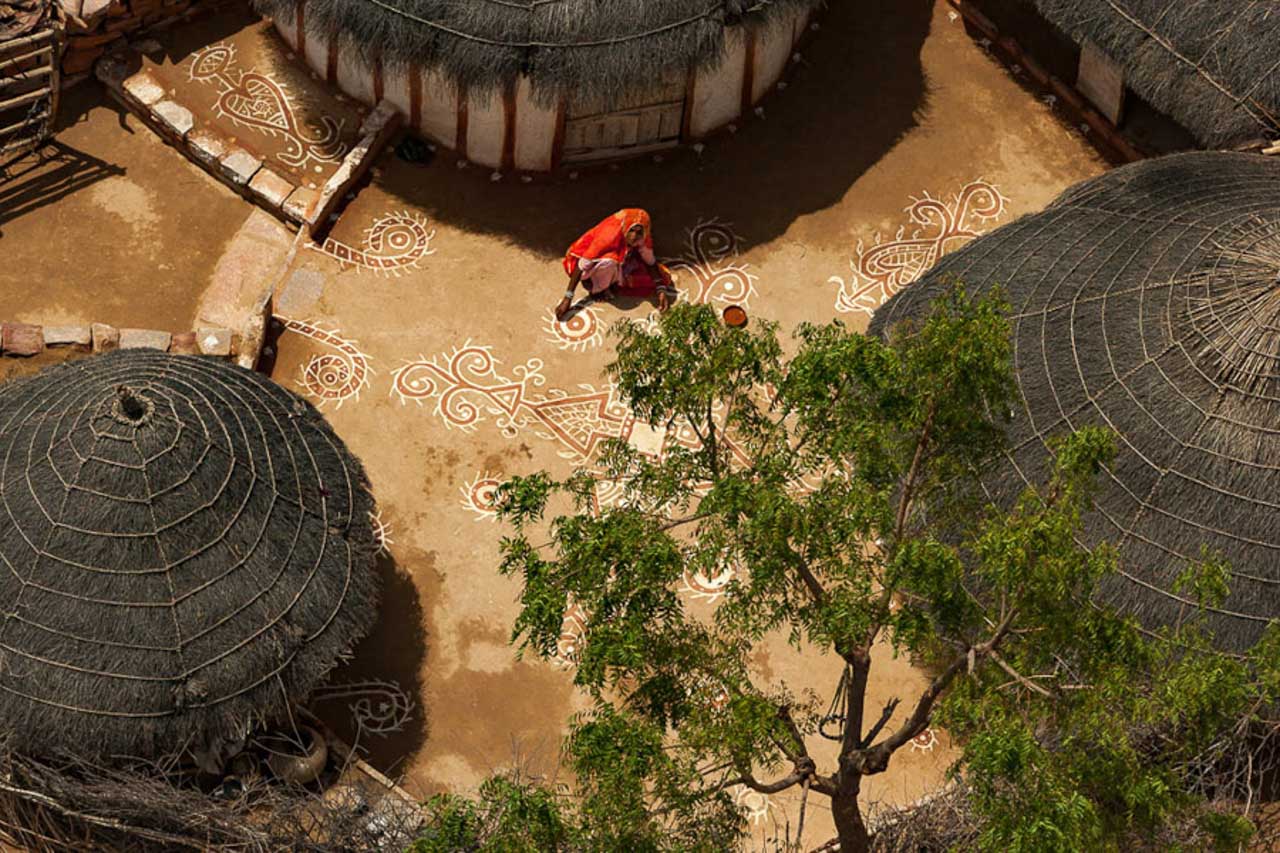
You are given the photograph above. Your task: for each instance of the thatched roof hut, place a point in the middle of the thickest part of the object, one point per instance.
(562, 46)
(185, 549)
(1147, 300)
(462, 71)
(1212, 65)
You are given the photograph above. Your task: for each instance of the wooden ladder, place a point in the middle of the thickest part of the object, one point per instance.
(28, 90)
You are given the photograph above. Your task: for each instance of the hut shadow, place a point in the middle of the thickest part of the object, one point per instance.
(386, 668)
(858, 89)
(179, 43)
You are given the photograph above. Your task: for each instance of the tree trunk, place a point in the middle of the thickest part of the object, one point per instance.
(850, 828)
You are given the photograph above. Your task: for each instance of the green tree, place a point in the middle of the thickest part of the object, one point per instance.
(786, 469)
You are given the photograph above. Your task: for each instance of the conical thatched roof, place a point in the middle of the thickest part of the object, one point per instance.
(185, 547)
(565, 46)
(1214, 65)
(1148, 301)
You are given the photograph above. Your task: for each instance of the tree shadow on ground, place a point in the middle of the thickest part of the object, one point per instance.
(857, 90)
(392, 654)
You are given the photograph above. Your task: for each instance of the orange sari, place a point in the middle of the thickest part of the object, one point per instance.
(606, 244)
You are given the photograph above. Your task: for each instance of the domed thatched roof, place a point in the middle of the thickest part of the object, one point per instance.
(1148, 300)
(564, 46)
(185, 547)
(1213, 65)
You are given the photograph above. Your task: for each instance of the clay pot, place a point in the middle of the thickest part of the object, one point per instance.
(291, 761)
(735, 317)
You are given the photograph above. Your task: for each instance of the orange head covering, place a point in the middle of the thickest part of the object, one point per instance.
(609, 239)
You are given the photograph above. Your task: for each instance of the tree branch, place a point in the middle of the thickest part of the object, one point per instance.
(889, 708)
(909, 486)
(673, 523)
(1018, 677)
(784, 714)
(876, 759)
(811, 582)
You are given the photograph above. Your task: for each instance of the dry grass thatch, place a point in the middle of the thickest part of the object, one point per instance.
(75, 806)
(1213, 65)
(1145, 300)
(185, 547)
(563, 46)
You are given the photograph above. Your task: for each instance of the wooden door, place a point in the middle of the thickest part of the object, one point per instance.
(647, 122)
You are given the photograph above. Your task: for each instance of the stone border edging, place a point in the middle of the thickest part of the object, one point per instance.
(234, 166)
(376, 129)
(27, 339)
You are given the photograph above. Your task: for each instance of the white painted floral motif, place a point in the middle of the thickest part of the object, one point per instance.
(578, 332)
(332, 377)
(394, 243)
(882, 269)
(466, 388)
(479, 496)
(259, 101)
(381, 533)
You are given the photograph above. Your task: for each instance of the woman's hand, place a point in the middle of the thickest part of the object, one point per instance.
(563, 308)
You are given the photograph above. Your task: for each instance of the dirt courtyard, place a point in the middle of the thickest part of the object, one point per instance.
(423, 328)
(114, 226)
(896, 140)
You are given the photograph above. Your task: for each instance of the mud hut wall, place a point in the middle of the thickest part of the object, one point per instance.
(510, 129)
(535, 131)
(438, 108)
(717, 92)
(353, 78)
(773, 49)
(486, 128)
(314, 47)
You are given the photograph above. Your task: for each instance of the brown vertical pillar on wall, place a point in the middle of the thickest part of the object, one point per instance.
(462, 121)
(377, 80)
(415, 96)
(686, 123)
(557, 141)
(331, 67)
(509, 126)
(301, 33)
(749, 71)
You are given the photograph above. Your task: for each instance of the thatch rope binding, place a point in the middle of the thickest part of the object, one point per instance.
(185, 548)
(1147, 300)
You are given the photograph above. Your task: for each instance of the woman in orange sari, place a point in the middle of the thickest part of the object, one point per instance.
(617, 257)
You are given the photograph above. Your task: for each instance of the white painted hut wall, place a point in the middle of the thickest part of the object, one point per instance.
(486, 123)
(717, 92)
(773, 49)
(353, 78)
(316, 52)
(288, 31)
(395, 88)
(437, 109)
(535, 130)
